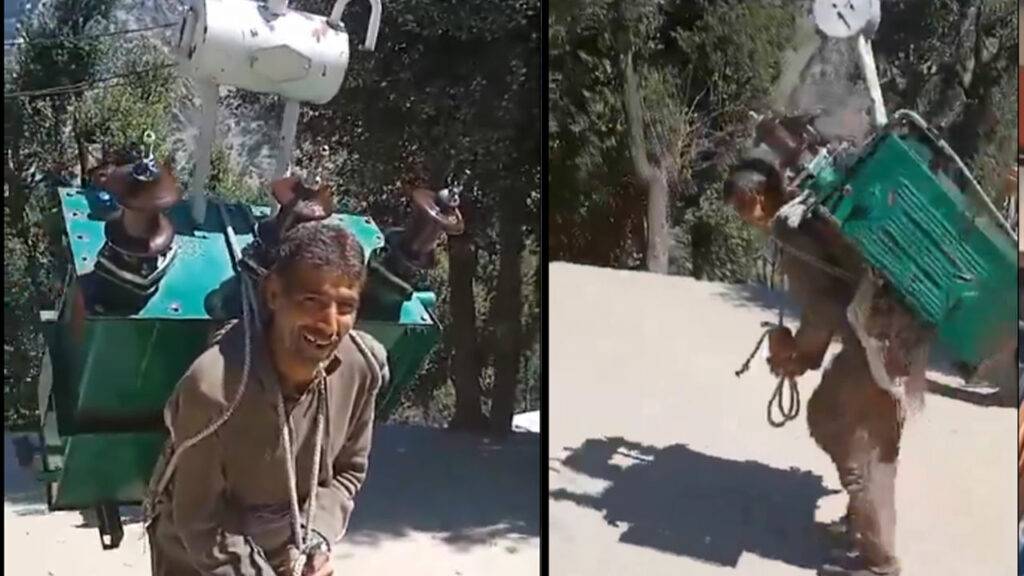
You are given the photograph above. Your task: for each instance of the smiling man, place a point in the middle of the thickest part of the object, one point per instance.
(239, 500)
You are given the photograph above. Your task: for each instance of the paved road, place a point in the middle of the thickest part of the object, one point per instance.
(661, 462)
(436, 503)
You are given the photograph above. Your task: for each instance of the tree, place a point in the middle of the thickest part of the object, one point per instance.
(655, 96)
(55, 140)
(951, 67)
(452, 86)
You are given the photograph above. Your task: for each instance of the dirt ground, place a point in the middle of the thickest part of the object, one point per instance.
(661, 461)
(435, 503)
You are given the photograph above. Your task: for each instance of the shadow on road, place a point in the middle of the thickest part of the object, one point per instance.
(466, 489)
(758, 296)
(680, 501)
(21, 489)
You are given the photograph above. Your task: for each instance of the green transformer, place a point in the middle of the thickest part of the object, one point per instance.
(109, 370)
(916, 214)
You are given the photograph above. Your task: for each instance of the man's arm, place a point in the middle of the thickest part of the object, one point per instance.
(823, 299)
(818, 323)
(334, 502)
(794, 355)
(822, 316)
(199, 488)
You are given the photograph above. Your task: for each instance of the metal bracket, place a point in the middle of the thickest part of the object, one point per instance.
(111, 529)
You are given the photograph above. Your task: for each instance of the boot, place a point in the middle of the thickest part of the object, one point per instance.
(838, 529)
(855, 566)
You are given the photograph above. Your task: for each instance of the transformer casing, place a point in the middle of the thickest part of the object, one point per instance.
(942, 250)
(240, 43)
(108, 374)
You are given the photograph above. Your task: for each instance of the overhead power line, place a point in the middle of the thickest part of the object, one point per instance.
(60, 39)
(82, 86)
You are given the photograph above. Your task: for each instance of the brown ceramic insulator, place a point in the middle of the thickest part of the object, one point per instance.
(300, 203)
(428, 224)
(784, 142)
(140, 228)
(146, 236)
(147, 196)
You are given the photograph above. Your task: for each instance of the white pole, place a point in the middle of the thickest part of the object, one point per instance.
(867, 62)
(208, 94)
(286, 142)
(277, 7)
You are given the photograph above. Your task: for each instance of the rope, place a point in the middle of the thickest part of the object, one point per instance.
(816, 262)
(786, 413)
(300, 535)
(249, 308)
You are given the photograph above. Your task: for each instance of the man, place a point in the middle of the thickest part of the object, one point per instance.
(850, 416)
(228, 508)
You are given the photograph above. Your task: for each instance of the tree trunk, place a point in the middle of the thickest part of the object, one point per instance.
(508, 310)
(657, 223)
(81, 147)
(465, 354)
(654, 178)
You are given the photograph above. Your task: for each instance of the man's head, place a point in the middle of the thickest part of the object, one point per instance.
(312, 291)
(753, 195)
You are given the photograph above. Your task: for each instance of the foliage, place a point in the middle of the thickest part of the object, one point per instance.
(721, 59)
(957, 68)
(229, 182)
(453, 87)
(702, 66)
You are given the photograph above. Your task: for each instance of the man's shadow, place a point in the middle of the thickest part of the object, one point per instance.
(681, 501)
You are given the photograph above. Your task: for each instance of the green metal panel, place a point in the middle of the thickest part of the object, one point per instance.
(408, 347)
(102, 424)
(110, 467)
(943, 253)
(124, 370)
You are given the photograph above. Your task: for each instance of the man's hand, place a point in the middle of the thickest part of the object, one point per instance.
(319, 565)
(783, 356)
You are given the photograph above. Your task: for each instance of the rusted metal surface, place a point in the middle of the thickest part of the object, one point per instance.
(433, 217)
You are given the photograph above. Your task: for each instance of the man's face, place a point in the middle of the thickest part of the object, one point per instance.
(313, 309)
(750, 207)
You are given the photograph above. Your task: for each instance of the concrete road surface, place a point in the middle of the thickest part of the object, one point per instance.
(435, 503)
(662, 463)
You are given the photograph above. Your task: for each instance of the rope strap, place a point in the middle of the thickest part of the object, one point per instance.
(787, 411)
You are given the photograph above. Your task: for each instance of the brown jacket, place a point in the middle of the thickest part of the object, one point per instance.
(226, 509)
(822, 296)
